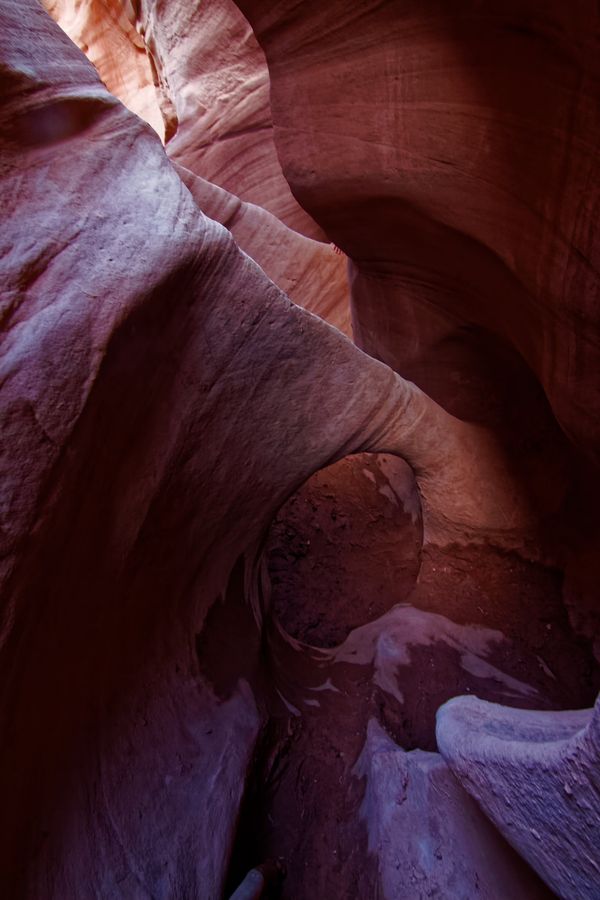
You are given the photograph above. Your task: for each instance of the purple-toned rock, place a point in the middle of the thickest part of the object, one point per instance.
(160, 398)
(430, 838)
(536, 775)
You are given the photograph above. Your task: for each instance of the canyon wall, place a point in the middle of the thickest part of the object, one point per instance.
(162, 398)
(452, 152)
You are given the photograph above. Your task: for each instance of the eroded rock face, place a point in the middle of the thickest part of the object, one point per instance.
(162, 398)
(428, 835)
(213, 72)
(219, 84)
(308, 271)
(345, 548)
(211, 85)
(107, 34)
(450, 152)
(536, 775)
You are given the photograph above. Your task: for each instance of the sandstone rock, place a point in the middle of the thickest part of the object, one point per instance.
(308, 271)
(536, 776)
(160, 398)
(212, 88)
(107, 35)
(430, 837)
(214, 72)
(450, 153)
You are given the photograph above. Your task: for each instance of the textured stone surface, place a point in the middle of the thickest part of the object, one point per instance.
(212, 69)
(345, 548)
(160, 399)
(308, 271)
(451, 152)
(212, 87)
(430, 838)
(107, 35)
(536, 775)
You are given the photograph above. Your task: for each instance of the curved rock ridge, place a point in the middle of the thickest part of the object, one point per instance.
(428, 834)
(212, 88)
(308, 271)
(106, 33)
(452, 153)
(218, 82)
(160, 399)
(536, 775)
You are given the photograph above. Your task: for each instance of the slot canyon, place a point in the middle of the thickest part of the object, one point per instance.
(300, 491)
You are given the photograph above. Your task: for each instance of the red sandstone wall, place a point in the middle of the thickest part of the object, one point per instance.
(161, 397)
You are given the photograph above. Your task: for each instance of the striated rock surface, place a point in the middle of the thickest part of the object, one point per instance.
(451, 152)
(160, 399)
(168, 720)
(308, 271)
(429, 836)
(214, 72)
(106, 33)
(536, 775)
(212, 86)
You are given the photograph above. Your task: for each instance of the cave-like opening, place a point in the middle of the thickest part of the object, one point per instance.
(363, 622)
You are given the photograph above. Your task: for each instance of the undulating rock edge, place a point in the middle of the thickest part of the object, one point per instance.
(161, 397)
(537, 776)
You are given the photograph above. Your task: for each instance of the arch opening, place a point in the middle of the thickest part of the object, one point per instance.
(345, 548)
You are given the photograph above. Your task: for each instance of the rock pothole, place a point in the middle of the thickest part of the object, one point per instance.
(345, 548)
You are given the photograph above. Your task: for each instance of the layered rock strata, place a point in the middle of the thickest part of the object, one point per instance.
(200, 66)
(451, 152)
(161, 398)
